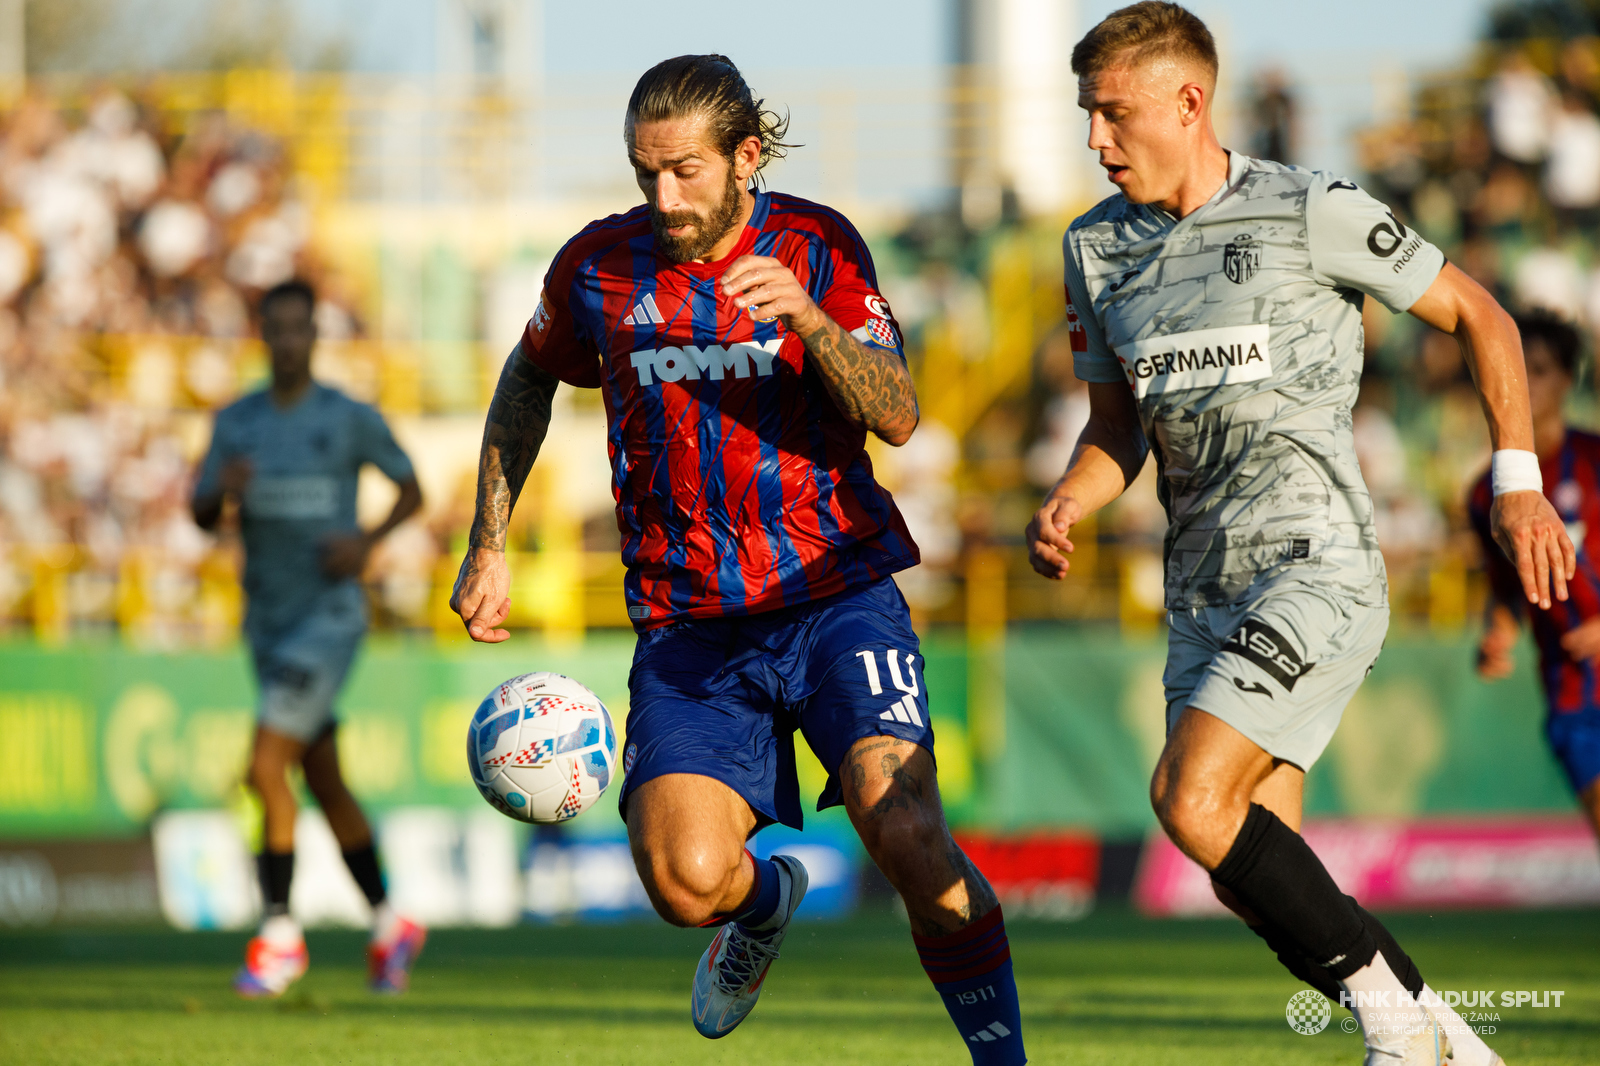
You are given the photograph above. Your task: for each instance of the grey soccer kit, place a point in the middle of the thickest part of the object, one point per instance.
(1238, 328)
(303, 626)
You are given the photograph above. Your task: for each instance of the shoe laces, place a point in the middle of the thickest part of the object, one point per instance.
(744, 957)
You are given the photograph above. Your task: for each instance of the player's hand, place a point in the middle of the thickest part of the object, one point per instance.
(235, 477)
(1533, 537)
(1583, 641)
(482, 594)
(345, 555)
(1494, 650)
(764, 289)
(1048, 546)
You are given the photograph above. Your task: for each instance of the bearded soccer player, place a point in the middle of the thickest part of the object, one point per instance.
(744, 353)
(1568, 634)
(289, 457)
(1219, 299)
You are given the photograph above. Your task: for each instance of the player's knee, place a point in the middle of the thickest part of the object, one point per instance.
(686, 883)
(1195, 818)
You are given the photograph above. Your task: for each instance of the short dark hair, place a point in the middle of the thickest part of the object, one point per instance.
(1558, 335)
(710, 86)
(1146, 30)
(283, 290)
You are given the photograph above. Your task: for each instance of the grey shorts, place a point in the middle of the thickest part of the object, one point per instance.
(1279, 668)
(301, 670)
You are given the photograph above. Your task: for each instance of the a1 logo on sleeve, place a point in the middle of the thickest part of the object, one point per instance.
(1077, 336)
(539, 324)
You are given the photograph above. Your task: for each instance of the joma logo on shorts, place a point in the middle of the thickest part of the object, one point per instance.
(675, 364)
(1270, 650)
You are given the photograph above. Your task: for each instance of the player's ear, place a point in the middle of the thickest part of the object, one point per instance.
(746, 158)
(1191, 102)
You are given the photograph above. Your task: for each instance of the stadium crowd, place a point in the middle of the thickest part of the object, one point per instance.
(116, 231)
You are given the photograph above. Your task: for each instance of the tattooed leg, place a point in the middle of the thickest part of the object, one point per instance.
(892, 797)
(956, 924)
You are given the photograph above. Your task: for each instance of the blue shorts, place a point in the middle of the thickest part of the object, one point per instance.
(1575, 739)
(722, 697)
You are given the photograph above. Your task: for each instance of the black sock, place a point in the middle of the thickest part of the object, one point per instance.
(1393, 953)
(276, 870)
(1273, 871)
(363, 863)
(1297, 964)
(1315, 976)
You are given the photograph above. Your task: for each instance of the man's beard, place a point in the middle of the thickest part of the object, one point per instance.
(706, 232)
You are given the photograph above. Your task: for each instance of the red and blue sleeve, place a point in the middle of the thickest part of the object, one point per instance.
(554, 340)
(852, 298)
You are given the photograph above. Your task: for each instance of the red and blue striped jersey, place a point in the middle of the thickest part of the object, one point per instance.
(1572, 484)
(740, 486)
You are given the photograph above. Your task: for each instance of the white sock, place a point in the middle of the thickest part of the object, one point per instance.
(384, 921)
(1470, 1050)
(281, 931)
(1382, 1005)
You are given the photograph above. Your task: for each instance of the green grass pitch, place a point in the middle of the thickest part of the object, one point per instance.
(1113, 988)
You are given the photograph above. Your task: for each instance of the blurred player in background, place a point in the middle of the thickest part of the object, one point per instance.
(744, 352)
(1568, 633)
(288, 457)
(1220, 302)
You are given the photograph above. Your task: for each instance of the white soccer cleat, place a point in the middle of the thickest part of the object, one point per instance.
(1428, 1046)
(728, 980)
(270, 969)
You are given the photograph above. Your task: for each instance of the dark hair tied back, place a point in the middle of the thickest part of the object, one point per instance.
(710, 86)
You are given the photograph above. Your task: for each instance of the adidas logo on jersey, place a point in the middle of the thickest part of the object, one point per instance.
(645, 313)
(675, 364)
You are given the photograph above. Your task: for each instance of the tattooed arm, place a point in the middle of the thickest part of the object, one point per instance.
(519, 417)
(871, 386)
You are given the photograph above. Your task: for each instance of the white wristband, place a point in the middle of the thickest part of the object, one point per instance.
(1513, 470)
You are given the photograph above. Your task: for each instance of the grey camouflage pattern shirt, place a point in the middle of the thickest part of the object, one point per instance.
(1238, 328)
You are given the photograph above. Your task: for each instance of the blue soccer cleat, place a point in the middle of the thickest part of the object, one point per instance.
(728, 980)
(389, 960)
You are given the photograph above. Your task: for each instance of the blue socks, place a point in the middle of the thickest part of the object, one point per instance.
(971, 970)
(762, 903)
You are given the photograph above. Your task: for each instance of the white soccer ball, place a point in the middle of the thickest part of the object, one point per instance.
(541, 748)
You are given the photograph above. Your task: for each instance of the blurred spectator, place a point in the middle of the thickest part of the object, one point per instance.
(1273, 117)
(1580, 68)
(1572, 176)
(1548, 277)
(1065, 413)
(1521, 103)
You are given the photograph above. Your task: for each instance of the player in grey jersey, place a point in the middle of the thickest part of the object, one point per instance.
(1216, 303)
(289, 456)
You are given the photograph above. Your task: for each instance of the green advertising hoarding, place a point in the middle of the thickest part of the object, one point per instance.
(94, 739)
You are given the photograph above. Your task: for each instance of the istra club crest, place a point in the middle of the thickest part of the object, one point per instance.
(1241, 258)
